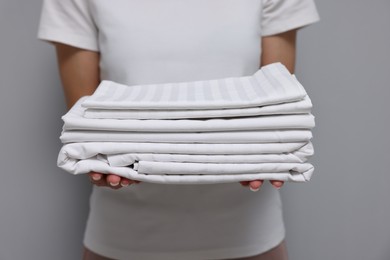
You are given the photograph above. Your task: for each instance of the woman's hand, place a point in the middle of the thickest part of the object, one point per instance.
(110, 180)
(116, 182)
(255, 185)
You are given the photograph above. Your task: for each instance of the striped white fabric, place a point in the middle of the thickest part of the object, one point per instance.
(74, 120)
(272, 84)
(211, 131)
(298, 107)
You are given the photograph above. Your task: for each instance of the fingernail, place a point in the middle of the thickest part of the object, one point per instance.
(124, 184)
(96, 177)
(114, 184)
(252, 189)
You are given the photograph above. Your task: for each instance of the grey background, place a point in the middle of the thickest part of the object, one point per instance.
(342, 213)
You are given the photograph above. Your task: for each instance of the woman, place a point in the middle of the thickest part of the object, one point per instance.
(156, 41)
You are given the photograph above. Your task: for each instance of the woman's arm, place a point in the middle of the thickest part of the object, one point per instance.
(80, 76)
(79, 71)
(280, 48)
(276, 48)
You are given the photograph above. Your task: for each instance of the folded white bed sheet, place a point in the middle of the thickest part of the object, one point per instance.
(281, 161)
(297, 107)
(179, 168)
(84, 150)
(88, 165)
(126, 159)
(74, 120)
(260, 136)
(272, 84)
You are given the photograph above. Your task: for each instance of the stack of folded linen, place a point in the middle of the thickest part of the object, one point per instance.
(197, 132)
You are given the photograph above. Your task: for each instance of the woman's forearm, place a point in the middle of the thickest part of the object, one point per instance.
(280, 48)
(79, 72)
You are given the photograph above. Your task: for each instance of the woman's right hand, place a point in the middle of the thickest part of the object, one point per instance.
(110, 180)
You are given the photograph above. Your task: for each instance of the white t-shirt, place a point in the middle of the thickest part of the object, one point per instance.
(156, 41)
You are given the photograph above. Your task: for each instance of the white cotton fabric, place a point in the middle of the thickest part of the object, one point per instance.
(272, 84)
(175, 168)
(281, 86)
(148, 174)
(152, 42)
(130, 158)
(74, 120)
(298, 107)
(222, 163)
(236, 137)
(89, 149)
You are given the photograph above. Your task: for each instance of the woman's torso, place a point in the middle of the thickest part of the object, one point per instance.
(154, 41)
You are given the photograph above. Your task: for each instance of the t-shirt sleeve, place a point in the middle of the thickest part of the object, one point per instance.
(69, 22)
(280, 16)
